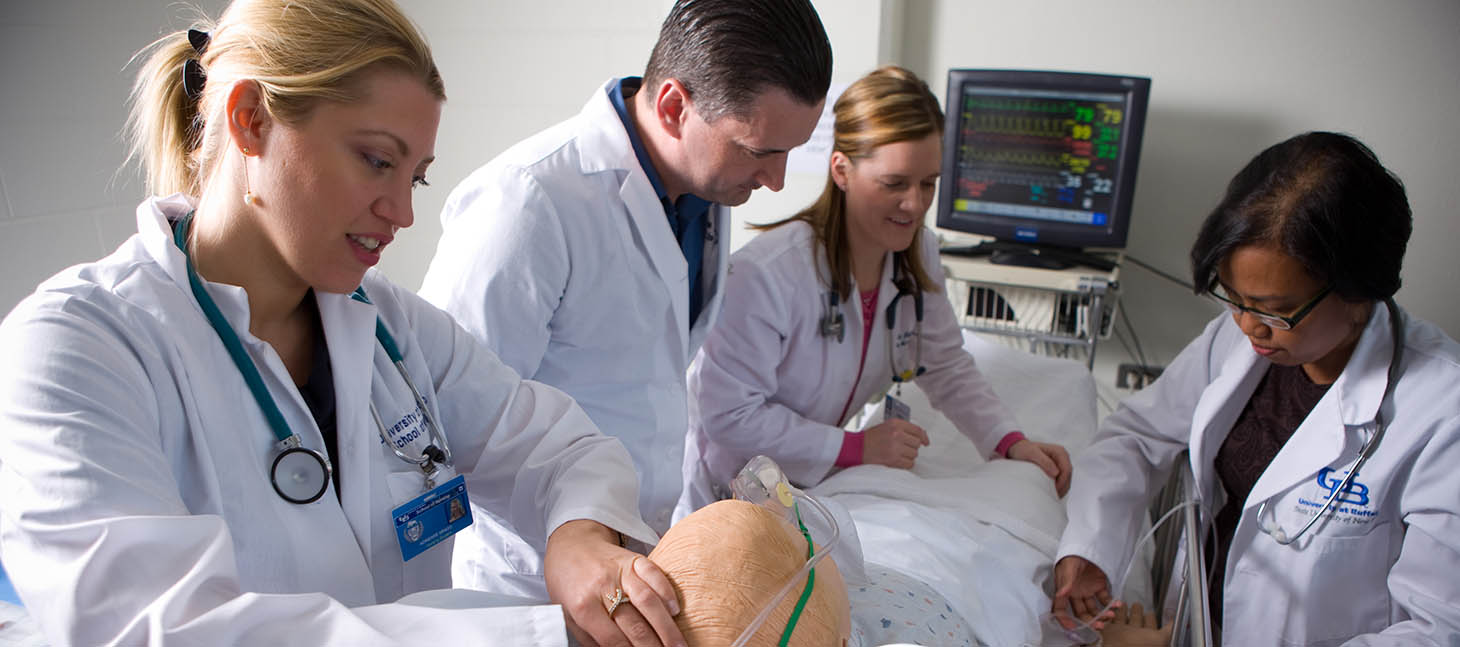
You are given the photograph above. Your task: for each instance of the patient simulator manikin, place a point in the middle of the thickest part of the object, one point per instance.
(730, 560)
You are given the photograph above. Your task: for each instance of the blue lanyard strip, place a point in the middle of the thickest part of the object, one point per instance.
(255, 381)
(230, 339)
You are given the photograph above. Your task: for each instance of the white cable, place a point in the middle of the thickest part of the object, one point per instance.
(1150, 535)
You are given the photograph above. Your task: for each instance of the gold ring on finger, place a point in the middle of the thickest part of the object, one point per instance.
(612, 602)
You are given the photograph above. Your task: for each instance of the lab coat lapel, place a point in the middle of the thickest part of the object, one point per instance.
(1351, 402)
(349, 331)
(606, 148)
(1220, 405)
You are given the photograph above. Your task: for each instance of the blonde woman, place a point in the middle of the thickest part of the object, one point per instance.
(232, 431)
(832, 307)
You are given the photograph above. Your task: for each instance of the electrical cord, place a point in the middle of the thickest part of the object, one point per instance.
(1152, 269)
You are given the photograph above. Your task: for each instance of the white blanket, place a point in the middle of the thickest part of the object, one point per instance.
(982, 533)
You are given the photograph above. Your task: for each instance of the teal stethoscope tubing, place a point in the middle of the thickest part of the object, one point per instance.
(288, 442)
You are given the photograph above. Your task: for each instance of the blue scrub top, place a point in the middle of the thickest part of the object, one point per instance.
(687, 215)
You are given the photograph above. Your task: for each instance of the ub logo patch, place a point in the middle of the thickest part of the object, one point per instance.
(1352, 505)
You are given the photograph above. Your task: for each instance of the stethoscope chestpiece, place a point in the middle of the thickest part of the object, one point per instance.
(832, 323)
(299, 474)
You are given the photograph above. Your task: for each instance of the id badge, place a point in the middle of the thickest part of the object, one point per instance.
(894, 408)
(429, 519)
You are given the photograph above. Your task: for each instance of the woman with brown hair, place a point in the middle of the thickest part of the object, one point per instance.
(832, 307)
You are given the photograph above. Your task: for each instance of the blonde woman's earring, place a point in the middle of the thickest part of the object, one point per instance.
(248, 197)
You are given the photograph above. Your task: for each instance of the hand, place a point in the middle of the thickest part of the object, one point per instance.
(1053, 459)
(1080, 585)
(583, 566)
(1134, 630)
(893, 443)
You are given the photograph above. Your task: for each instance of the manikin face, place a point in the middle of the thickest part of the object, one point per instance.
(889, 192)
(728, 159)
(1268, 280)
(334, 189)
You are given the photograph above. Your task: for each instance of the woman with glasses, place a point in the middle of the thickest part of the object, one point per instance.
(1322, 421)
(830, 308)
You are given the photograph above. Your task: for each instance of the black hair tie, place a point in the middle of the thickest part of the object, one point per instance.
(193, 76)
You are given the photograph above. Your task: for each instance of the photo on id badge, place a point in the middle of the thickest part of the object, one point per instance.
(431, 518)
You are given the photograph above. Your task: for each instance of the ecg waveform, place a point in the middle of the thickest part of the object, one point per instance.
(1047, 152)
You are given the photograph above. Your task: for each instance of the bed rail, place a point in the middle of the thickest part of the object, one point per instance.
(1193, 611)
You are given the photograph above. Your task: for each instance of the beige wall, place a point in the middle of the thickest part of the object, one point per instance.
(1228, 79)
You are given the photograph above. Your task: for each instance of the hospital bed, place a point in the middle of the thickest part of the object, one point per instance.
(982, 533)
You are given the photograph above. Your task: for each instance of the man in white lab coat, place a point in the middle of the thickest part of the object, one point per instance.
(590, 256)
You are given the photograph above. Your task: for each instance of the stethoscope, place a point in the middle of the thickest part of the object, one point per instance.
(905, 288)
(833, 324)
(300, 474)
(1396, 322)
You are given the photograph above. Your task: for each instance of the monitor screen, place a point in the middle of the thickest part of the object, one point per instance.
(1043, 158)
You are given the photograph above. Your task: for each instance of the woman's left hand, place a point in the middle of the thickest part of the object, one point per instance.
(1051, 458)
(585, 566)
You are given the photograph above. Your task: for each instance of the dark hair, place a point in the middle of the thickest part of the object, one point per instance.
(726, 52)
(889, 105)
(1323, 199)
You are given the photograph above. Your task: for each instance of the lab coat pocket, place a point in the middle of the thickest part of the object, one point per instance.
(1346, 593)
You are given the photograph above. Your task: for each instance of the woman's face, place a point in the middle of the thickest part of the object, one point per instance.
(334, 189)
(1263, 278)
(889, 192)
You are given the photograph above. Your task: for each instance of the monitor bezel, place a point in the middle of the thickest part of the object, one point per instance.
(1063, 235)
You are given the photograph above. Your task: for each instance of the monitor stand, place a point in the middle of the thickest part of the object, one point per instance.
(1002, 252)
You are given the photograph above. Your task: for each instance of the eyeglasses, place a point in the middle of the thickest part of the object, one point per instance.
(1268, 319)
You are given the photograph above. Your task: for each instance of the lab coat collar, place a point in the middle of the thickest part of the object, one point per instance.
(154, 227)
(1351, 402)
(154, 224)
(1361, 384)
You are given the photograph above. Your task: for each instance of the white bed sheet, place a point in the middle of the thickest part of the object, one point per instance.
(982, 533)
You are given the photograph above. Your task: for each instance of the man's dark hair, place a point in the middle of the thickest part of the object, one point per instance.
(1323, 199)
(726, 52)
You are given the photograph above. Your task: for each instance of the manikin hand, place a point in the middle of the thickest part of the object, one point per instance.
(1080, 585)
(893, 443)
(583, 566)
(1051, 458)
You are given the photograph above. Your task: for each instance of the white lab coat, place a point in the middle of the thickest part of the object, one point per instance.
(1382, 571)
(767, 382)
(559, 256)
(137, 504)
